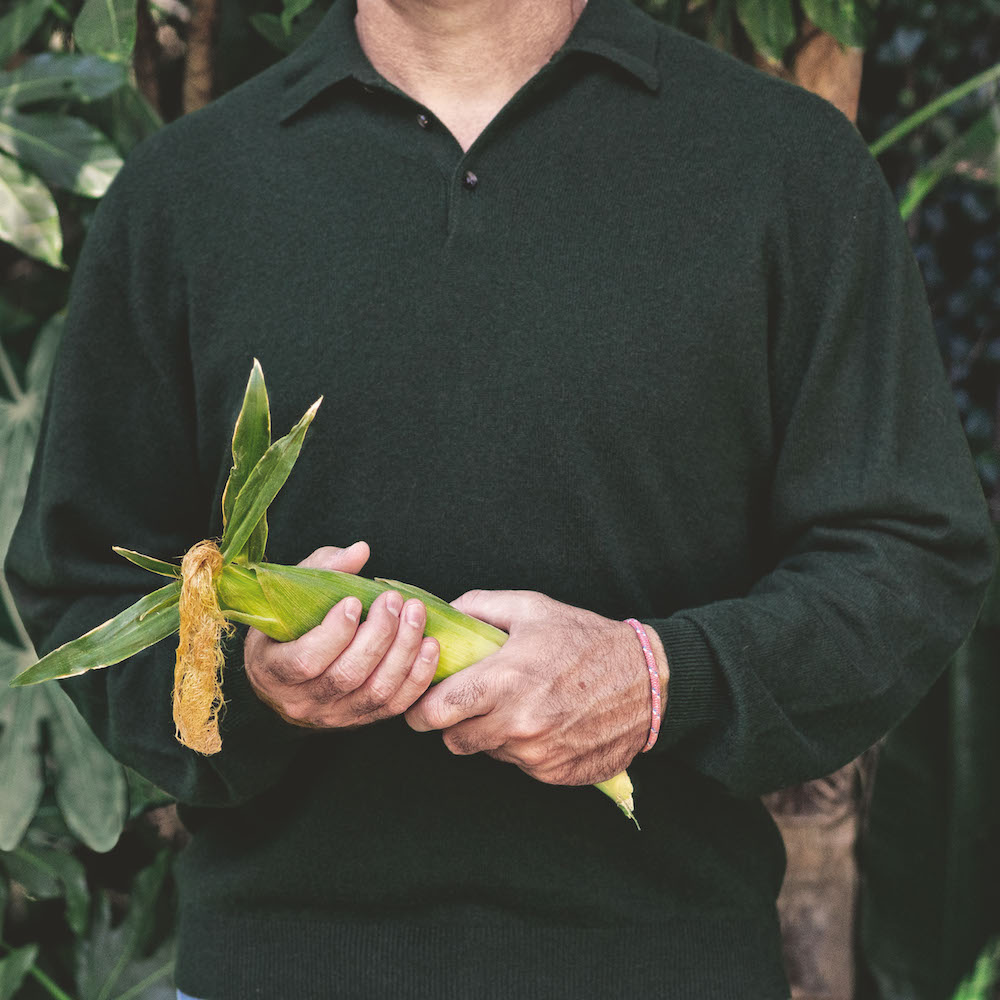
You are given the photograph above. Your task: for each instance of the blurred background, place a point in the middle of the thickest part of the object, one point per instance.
(893, 885)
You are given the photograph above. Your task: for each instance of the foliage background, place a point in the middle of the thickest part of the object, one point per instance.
(86, 845)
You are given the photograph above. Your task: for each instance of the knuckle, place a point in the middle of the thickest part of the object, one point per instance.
(532, 756)
(459, 744)
(434, 716)
(371, 699)
(467, 694)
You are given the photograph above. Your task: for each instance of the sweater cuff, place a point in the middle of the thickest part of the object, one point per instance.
(696, 689)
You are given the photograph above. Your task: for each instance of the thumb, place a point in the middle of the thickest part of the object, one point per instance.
(349, 560)
(502, 608)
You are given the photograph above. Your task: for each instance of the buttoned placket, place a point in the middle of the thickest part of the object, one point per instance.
(465, 180)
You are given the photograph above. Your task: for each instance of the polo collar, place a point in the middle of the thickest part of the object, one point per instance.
(615, 30)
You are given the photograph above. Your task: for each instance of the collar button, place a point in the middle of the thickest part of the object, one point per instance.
(423, 121)
(470, 181)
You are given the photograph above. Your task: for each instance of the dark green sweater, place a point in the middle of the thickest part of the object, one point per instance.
(669, 357)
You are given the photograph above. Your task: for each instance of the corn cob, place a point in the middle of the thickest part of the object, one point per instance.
(217, 584)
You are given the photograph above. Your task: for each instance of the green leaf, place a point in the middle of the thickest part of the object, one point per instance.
(66, 151)
(144, 623)
(47, 873)
(293, 9)
(851, 22)
(43, 355)
(269, 26)
(107, 28)
(130, 118)
(113, 960)
(29, 219)
(19, 25)
(148, 563)
(975, 152)
(13, 968)
(251, 439)
(59, 76)
(770, 26)
(21, 779)
(143, 794)
(90, 788)
(263, 485)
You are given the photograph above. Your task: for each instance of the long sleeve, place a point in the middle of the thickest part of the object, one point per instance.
(877, 529)
(118, 464)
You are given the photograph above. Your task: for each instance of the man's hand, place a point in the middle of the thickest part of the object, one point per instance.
(566, 699)
(340, 673)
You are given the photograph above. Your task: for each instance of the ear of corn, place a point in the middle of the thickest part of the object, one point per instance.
(231, 583)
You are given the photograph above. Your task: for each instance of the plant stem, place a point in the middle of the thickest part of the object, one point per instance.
(16, 392)
(53, 989)
(8, 600)
(136, 990)
(907, 125)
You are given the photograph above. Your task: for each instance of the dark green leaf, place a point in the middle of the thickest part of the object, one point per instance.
(269, 27)
(29, 219)
(293, 9)
(66, 151)
(60, 76)
(18, 439)
(148, 563)
(106, 28)
(932, 885)
(21, 779)
(43, 355)
(46, 873)
(13, 968)
(90, 787)
(113, 961)
(129, 118)
(851, 22)
(144, 623)
(143, 794)
(975, 152)
(263, 484)
(770, 26)
(251, 439)
(17, 26)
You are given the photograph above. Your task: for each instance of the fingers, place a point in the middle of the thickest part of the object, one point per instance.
(503, 608)
(462, 696)
(354, 662)
(404, 672)
(349, 560)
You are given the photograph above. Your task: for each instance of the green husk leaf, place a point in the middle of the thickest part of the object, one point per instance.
(148, 563)
(300, 597)
(144, 623)
(446, 612)
(251, 439)
(263, 485)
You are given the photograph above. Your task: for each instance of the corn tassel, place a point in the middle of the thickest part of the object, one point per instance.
(216, 585)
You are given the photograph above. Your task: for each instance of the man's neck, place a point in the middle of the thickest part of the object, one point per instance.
(463, 59)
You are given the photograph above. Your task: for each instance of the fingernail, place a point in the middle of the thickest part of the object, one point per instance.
(352, 609)
(428, 651)
(414, 615)
(394, 603)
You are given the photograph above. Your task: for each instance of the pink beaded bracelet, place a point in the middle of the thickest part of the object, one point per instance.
(654, 682)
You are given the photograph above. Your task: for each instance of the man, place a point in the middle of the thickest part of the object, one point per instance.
(609, 326)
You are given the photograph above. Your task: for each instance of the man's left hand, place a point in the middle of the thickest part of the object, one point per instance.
(566, 698)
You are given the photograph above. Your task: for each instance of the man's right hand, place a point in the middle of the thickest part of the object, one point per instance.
(342, 673)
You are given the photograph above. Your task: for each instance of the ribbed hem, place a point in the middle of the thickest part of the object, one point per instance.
(731, 958)
(696, 691)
